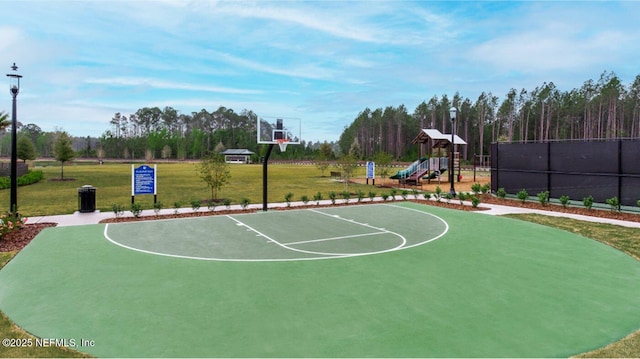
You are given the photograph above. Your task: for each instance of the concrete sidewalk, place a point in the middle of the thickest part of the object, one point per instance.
(78, 219)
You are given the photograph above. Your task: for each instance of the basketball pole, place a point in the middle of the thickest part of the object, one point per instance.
(264, 176)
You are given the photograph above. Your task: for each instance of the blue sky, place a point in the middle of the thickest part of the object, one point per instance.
(320, 61)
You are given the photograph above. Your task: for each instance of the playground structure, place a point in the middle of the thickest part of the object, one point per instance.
(431, 166)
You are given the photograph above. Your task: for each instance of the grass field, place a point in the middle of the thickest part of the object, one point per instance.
(526, 290)
(176, 183)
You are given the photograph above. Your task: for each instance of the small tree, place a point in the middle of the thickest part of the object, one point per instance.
(325, 153)
(215, 172)
(347, 165)
(25, 149)
(383, 164)
(63, 151)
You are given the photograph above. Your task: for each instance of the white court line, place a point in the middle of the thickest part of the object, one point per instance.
(446, 225)
(404, 240)
(336, 238)
(337, 255)
(327, 255)
(106, 235)
(281, 244)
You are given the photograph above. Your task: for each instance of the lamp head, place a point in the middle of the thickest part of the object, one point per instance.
(452, 113)
(14, 80)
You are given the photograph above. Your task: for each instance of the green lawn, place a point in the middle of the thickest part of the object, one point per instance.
(177, 182)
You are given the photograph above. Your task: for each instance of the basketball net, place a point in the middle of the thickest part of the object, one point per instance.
(283, 142)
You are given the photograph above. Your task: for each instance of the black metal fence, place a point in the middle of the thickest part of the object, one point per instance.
(602, 169)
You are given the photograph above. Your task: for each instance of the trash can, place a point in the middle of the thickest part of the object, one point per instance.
(86, 199)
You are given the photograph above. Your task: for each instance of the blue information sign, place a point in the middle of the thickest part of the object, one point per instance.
(143, 180)
(371, 169)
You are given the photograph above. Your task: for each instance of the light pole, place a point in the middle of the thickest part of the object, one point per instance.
(14, 88)
(452, 114)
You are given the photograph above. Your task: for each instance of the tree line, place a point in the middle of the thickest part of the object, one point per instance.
(154, 133)
(602, 109)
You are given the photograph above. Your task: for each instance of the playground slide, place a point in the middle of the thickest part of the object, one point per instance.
(409, 170)
(434, 174)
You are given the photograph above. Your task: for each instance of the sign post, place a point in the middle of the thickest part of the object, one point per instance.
(143, 181)
(371, 172)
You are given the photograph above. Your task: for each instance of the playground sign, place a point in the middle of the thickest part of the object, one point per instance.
(143, 180)
(371, 171)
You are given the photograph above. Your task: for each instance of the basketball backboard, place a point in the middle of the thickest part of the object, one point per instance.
(272, 129)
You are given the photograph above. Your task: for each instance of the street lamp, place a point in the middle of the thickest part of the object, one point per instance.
(14, 88)
(452, 114)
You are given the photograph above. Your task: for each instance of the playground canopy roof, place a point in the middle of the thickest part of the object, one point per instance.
(439, 139)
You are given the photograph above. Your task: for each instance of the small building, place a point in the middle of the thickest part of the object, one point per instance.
(240, 155)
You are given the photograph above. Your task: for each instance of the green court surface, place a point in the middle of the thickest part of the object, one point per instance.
(388, 280)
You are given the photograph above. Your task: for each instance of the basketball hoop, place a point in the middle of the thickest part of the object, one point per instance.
(283, 142)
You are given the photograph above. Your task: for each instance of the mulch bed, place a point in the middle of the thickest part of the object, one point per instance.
(175, 215)
(601, 213)
(16, 240)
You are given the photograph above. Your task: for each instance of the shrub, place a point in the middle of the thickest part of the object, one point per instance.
(385, 196)
(404, 194)
(426, 195)
(462, 197)
(638, 203)
(10, 222)
(564, 201)
(543, 198)
(438, 193)
(176, 207)
(118, 210)
(31, 177)
(157, 207)
(211, 205)
(415, 193)
(304, 199)
(360, 196)
(288, 197)
(485, 188)
(317, 197)
(476, 188)
(195, 205)
(588, 202)
(136, 209)
(393, 194)
(501, 193)
(346, 195)
(227, 203)
(523, 195)
(332, 197)
(475, 201)
(372, 195)
(614, 203)
(244, 203)
(448, 196)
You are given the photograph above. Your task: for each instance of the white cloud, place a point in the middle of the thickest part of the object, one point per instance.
(160, 84)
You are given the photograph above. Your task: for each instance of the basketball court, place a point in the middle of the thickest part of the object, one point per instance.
(278, 236)
(381, 280)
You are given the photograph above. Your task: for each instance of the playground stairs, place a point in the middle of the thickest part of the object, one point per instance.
(415, 177)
